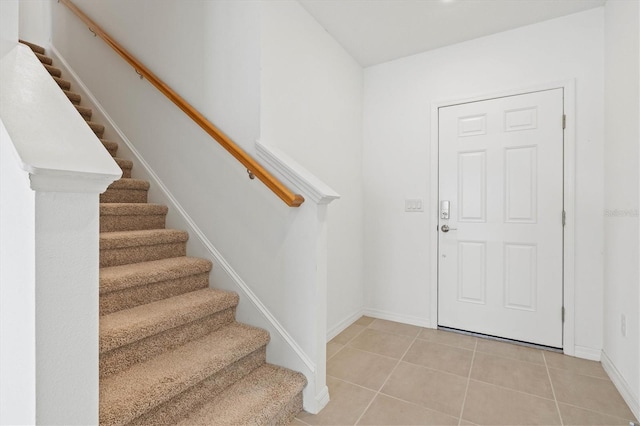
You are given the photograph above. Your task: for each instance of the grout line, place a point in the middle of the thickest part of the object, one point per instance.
(387, 379)
(466, 391)
(553, 391)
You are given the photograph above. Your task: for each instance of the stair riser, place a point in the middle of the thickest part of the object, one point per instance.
(124, 196)
(121, 358)
(179, 406)
(136, 296)
(289, 411)
(128, 255)
(132, 222)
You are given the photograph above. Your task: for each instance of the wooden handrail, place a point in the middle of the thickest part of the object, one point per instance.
(291, 199)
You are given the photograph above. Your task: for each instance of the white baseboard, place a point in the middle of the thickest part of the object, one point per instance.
(585, 352)
(322, 399)
(633, 401)
(393, 316)
(342, 325)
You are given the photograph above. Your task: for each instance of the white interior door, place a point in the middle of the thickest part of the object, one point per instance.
(501, 172)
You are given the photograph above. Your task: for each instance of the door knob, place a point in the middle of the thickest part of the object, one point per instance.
(445, 228)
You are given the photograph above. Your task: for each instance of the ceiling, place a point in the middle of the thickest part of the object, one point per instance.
(376, 31)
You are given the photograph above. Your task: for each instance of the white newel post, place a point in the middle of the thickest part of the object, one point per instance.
(53, 169)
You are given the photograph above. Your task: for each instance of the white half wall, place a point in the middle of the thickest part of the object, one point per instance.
(397, 135)
(53, 168)
(311, 109)
(622, 141)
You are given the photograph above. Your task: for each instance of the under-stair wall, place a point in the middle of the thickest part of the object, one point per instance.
(274, 256)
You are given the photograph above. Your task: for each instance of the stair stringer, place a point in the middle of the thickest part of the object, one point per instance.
(282, 349)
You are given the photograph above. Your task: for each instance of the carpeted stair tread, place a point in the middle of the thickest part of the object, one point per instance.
(85, 112)
(130, 209)
(33, 46)
(147, 237)
(64, 84)
(130, 325)
(115, 278)
(132, 392)
(129, 183)
(112, 147)
(55, 72)
(44, 59)
(258, 399)
(74, 97)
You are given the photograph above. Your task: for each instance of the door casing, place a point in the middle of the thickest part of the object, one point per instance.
(569, 202)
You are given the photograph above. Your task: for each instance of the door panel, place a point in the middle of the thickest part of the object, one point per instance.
(500, 264)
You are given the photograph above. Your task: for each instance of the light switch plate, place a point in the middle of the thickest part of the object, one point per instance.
(413, 205)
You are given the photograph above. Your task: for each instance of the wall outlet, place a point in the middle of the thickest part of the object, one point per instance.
(413, 205)
(623, 325)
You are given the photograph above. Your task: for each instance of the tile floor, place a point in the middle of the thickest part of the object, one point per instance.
(386, 373)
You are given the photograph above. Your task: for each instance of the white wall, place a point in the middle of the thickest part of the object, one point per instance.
(8, 25)
(311, 109)
(17, 290)
(397, 137)
(35, 21)
(622, 141)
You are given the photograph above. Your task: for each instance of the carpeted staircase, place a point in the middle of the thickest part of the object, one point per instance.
(171, 351)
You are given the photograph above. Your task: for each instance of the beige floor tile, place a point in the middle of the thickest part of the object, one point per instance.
(382, 343)
(297, 422)
(492, 405)
(347, 404)
(513, 374)
(395, 327)
(333, 348)
(360, 367)
(588, 392)
(440, 357)
(467, 423)
(439, 391)
(385, 410)
(574, 416)
(364, 321)
(349, 333)
(510, 350)
(577, 365)
(448, 338)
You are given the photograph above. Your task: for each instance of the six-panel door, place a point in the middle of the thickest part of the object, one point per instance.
(500, 263)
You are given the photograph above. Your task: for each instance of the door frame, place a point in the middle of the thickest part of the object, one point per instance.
(568, 86)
